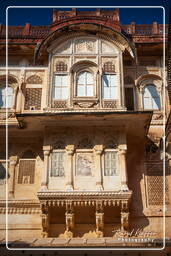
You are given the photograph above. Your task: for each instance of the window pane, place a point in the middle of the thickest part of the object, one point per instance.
(110, 89)
(2, 97)
(64, 93)
(147, 103)
(82, 78)
(58, 80)
(57, 169)
(114, 93)
(89, 78)
(110, 163)
(89, 90)
(64, 80)
(81, 90)
(106, 80)
(106, 93)
(57, 93)
(151, 98)
(156, 103)
(6, 97)
(113, 80)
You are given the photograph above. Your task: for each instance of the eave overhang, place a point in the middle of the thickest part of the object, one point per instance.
(134, 123)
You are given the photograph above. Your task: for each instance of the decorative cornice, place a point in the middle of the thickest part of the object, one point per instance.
(20, 207)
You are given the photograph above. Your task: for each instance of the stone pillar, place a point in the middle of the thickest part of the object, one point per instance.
(141, 98)
(123, 170)
(69, 219)
(45, 220)
(11, 181)
(69, 167)
(99, 220)
(124, 216)
(19, 100)
(46, 151)
(98, 151)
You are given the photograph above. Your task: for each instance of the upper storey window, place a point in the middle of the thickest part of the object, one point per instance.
(6, 97)
(110, 86)
(151, 98)
(85, 84)
(61, 87)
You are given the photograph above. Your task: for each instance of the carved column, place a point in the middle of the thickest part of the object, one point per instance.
(11, 181)
(99, 219)
(123, 170)
(141, 98)
(69, 219)
(45, 220)
(20, 92)
(124, 216)
(98, 151)
(46, 151)
(69, 167)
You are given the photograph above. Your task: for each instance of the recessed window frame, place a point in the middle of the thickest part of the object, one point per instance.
(117, 162)
(60, 87)
(110, 98)
(86, 85)
(51, 164)
(151, 98)
(6, 96)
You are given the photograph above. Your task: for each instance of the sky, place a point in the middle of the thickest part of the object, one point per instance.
(43, 16)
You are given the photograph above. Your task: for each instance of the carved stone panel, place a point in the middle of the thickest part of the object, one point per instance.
(84, 164)
(26, 171)
(85, 46)
(33, 98)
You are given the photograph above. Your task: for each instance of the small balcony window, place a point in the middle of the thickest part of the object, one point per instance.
(85, 84)
(110, 86)
(61, 85)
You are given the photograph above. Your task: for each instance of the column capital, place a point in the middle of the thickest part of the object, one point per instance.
(46, 150)
(13, 160)
(122, 151)
(98, 149)
(70, 149)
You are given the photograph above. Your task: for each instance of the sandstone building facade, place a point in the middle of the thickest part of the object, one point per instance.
(85, 108)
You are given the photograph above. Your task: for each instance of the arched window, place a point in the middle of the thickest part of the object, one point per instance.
(85, 84)
(151, 98)
(6, 97)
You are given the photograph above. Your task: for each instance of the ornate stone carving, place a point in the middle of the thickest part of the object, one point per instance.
(61, 66)
(33, 98)
(86, 104)
(99, 219)
(69, 218)
(34, 80)
(45, 220)
(85, 45)
(26, 171)
(109, 67)
(84, 164)
(110, 103)
(59, 104)
(124, 220)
